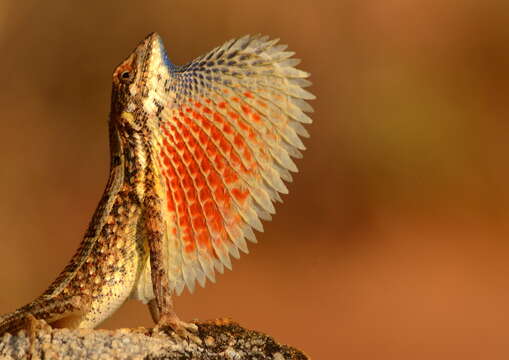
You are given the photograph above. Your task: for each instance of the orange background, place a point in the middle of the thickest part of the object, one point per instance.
(393, 243)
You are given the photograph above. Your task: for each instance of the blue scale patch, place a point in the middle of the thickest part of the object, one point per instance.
(167, 61)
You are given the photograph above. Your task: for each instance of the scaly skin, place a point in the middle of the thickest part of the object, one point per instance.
(198, 155)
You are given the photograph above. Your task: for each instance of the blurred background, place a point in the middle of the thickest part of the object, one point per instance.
(394, 241)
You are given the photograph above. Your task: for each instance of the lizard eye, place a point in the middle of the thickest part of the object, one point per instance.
(125, 76)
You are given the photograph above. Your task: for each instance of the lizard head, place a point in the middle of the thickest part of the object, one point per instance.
(139, 83)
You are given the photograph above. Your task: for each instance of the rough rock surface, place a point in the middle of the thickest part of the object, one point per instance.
(220, 339)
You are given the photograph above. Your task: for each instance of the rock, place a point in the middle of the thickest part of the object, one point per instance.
(220, 339)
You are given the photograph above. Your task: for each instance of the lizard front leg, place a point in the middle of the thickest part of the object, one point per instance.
(161, 307)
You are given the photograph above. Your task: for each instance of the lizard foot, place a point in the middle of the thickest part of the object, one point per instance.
(33, 326)
(180, 328)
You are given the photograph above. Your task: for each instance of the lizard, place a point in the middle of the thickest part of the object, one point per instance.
(198, 156)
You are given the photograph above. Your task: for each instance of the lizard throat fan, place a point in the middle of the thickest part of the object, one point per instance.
(221, 132)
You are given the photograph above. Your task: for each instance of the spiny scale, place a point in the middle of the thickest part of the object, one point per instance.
(199, 155)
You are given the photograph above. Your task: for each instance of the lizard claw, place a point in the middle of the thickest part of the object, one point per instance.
(181, 329)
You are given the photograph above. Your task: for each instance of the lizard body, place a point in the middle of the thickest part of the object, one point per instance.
(198, 155)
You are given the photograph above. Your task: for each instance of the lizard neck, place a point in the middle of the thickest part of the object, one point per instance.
(130, 152)
(127, 163)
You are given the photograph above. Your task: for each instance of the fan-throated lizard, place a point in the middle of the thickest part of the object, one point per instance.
(198, 156)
